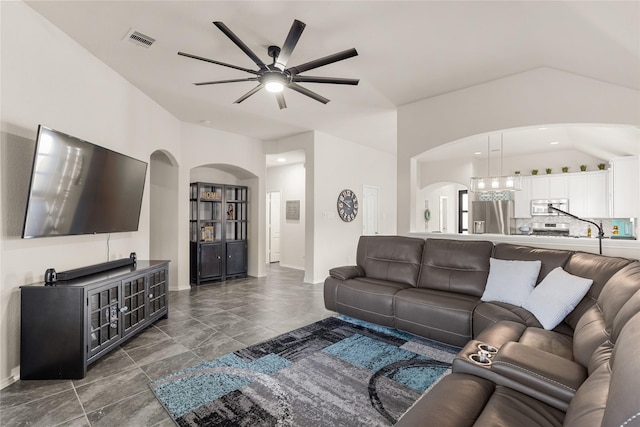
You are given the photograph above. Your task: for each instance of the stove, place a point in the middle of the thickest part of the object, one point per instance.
(550, 229)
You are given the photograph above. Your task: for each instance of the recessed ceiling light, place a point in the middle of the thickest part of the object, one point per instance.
(554, 142)
(281, 159)
(542, 128)
(477, 152)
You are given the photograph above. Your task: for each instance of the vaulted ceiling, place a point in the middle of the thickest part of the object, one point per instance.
(408, 51)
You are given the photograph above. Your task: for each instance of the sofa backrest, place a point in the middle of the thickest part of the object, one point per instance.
(609, 397)
(393, 258)
(592, 266)
(460, 266)
(594, 335)
(551, 258)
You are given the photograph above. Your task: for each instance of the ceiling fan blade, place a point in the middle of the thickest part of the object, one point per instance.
(248, 79)
(188, 55)
(240, 44)
(248, 94)
(309, 93)
(281, 103)
(290, 43)
(345, 54)
(333, 80)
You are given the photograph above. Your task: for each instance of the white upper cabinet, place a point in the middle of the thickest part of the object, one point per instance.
(522, 203)
(624, 187)
(550, 187)
(589, 194)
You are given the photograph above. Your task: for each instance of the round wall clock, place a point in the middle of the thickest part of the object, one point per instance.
(347, 205)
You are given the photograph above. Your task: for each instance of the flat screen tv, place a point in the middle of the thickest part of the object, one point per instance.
(81, 188)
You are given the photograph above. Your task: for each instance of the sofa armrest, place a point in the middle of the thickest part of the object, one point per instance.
(346, 272)
(539, 370)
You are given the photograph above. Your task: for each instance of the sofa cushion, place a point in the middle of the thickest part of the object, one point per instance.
(439, 315)
(550, 258)
(488, 313)
(549, 341)
(463, 400)
(556, 296)
(596, 267)
(456, 401)
(617, 292)
(455, 265)
(393, 258)
(511, 281)
(368, 299)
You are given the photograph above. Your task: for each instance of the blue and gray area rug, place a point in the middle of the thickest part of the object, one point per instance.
(336, 372)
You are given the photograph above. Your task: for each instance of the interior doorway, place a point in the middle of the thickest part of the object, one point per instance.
(370, 208)
(443, 213)
(273, 226)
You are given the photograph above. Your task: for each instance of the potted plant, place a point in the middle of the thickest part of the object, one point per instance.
(565, 169)
(601, 166)
(583, 168)
(517, 172)
(534, 172)
(548, 170)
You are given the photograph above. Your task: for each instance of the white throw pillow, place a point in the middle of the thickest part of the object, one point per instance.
(556, 296)
(511, 281)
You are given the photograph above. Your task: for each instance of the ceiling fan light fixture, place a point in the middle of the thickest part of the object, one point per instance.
(274, 86)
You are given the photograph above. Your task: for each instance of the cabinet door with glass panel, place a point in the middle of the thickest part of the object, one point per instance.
(206, 213)
(104, 314)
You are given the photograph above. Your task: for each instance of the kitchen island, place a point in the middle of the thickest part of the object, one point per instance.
(610, 247)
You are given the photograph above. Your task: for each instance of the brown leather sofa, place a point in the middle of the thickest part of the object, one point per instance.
(571, 375)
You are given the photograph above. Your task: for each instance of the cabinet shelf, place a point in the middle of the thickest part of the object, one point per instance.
(218, 231)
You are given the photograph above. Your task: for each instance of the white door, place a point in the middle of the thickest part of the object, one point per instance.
(274, 226)
(369, 209)
(443, 213)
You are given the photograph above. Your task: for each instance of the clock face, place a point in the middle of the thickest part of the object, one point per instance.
(347, 205)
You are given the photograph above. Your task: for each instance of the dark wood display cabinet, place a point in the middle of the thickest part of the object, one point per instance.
(218, 222)
(71, 324)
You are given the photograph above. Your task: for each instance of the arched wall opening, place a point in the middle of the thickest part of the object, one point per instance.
(163, 212)
(220, 173)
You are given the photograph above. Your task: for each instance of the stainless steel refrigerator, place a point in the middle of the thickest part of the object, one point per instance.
(494, 217)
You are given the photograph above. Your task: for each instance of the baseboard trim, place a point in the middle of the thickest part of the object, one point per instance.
(6, 382)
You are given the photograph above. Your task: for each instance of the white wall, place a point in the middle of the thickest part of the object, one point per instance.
(289, 180)
(341, 164)
(538, 97)
(46, 78)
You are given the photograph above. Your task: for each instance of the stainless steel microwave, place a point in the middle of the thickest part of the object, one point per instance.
(540, 207)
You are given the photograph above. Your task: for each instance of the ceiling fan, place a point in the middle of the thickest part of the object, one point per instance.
(275, 77)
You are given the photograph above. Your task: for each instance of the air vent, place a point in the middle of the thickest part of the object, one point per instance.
(139, 39)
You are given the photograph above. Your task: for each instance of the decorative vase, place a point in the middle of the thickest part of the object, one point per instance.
(583, 168)
(548, 170)
(534, 172)
(601, 166)
(565, 169)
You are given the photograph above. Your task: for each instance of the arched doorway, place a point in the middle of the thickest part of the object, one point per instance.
(163, 212)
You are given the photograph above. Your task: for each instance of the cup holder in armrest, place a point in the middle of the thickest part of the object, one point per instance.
(481, 358)
(488, 348)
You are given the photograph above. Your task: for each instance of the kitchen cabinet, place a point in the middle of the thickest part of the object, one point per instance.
(589, 194)
(550, 187)
(522, 199)
(624, 187)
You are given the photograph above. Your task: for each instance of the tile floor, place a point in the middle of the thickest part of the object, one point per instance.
(204, 323)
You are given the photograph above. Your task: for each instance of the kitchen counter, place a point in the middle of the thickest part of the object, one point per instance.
(611, 247)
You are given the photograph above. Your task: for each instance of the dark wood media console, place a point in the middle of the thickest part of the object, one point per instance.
(69, 325)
